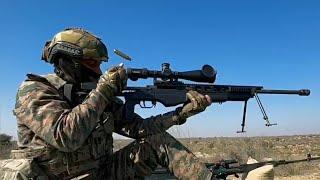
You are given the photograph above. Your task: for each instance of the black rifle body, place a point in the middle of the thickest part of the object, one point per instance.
(224, 168)
(174, 93)
(169, 91)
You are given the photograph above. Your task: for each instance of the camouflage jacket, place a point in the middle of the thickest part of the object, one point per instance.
(80, 133)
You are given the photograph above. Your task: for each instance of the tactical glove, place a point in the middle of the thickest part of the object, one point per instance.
(197, 104)
(112, 82)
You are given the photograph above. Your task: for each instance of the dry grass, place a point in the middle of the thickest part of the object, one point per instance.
(277, 148)
(217, 148)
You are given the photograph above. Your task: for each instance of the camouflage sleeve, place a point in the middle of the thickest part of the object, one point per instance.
(41, 108)
(139, 127)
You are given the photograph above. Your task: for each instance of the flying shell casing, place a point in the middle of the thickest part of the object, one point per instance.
(121, 54)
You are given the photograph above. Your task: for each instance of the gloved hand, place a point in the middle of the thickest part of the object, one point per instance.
(197, 104)
(112, 82)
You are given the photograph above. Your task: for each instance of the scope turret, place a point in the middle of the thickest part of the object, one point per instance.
(206, 74)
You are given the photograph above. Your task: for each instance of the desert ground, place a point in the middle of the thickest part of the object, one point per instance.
(216, 148)
(278, 148)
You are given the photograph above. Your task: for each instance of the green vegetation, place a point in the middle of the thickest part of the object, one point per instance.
(5, 138)
(6, 145)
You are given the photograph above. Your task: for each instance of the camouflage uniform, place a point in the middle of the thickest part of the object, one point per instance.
(78, 139)
(62, 135)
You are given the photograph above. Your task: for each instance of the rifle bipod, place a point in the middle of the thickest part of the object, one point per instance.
(265, 116)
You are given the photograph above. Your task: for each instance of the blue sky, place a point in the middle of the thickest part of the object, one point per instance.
(271, 43)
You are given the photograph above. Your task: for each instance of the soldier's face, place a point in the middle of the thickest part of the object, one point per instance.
(74, 71)
(92, 64)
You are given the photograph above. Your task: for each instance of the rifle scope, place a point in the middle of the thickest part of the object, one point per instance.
(206, 74)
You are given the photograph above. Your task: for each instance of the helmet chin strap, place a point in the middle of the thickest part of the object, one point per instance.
(66, 69)
(78, 72)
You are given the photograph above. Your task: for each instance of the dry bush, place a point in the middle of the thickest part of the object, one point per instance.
(5, 149)
(277, 148)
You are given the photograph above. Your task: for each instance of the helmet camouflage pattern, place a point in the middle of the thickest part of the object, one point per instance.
(75, 43)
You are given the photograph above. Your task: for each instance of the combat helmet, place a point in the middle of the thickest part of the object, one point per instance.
(75, 43)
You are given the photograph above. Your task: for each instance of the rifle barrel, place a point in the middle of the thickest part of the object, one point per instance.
(301, 92)
(281, 162)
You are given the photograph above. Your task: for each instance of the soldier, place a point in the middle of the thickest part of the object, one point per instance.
(71, 133)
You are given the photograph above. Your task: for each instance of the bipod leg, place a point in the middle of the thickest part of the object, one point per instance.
(243, 124)
(265, 116)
